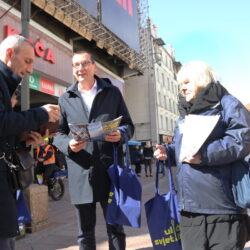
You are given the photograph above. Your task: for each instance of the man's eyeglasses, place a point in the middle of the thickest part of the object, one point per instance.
(84, 64)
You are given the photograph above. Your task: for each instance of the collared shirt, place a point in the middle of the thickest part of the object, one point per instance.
(88, 95)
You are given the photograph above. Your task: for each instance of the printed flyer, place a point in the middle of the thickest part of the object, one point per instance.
(94, 131)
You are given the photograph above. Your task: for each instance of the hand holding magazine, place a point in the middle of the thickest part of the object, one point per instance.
(94, 131)
(195, 130)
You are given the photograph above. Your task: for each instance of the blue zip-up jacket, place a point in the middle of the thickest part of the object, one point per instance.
(207, 188)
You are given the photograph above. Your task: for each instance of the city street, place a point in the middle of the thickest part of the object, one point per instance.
(62, 227)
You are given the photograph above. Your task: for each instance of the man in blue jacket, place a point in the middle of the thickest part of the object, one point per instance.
(91, 99)
(16, 59)
(209, 217)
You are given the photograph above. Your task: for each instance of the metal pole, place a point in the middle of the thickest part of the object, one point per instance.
(25, 18)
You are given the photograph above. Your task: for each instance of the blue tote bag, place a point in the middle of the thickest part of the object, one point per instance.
(22, 209)
(124, 202)
(241, 183)
(162, 216)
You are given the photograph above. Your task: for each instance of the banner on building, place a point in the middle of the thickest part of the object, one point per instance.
(121, 18)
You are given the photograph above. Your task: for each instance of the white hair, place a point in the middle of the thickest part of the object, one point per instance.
(14, 42)
(197, 72)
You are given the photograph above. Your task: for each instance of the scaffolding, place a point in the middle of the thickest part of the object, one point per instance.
(74, 16)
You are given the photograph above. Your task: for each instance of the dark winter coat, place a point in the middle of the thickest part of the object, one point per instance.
(206, 188)
(136, 156)
(11, 125)
(88, 179)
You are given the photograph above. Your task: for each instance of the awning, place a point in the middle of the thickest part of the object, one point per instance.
(134, 143)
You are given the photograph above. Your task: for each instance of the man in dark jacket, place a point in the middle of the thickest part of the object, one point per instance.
(91, 99)
(16, 59)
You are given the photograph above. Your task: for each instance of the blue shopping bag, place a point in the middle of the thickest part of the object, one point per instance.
(124, 202)
(241, 183)
(22, 209)
(162, 216)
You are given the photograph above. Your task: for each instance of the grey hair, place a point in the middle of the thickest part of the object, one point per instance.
(197, 72)
(14, 42)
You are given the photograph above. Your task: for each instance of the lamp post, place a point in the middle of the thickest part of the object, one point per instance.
(25, 19)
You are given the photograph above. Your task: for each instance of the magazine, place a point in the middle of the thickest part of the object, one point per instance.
(94, 131)
(195, 130)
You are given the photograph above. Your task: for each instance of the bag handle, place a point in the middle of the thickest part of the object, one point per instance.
(157, 190)
(170, 176)
(127, 157)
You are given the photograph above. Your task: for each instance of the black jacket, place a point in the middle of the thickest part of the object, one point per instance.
(11, 125)
(88, 179)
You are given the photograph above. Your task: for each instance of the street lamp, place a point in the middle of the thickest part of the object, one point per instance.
(25, 19)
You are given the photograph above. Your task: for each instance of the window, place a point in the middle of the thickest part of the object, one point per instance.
(165, 102)
(166, 119)
(163, 80)
(161, 122)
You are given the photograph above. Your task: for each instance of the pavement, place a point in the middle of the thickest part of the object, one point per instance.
(60, 234)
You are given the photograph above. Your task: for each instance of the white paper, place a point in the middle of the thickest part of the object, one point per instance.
(195, 130)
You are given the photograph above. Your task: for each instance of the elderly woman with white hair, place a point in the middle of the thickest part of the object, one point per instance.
(210, 219)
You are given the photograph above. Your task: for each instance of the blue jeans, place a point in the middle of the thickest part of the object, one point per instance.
(7, 243)
(86, 215)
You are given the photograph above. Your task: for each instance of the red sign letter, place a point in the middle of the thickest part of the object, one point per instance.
(49, 56)
(127, 6)
(39, 48)
(10, 31)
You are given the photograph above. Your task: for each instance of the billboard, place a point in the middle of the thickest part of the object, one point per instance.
(89, 5)
(121, 18)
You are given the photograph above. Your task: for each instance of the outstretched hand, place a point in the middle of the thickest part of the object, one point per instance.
(34, 139)
(76, 146)
(160, 153)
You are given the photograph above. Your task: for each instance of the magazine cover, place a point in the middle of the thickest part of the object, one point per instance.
(94, 131)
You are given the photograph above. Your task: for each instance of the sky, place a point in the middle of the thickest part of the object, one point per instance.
(214, 31)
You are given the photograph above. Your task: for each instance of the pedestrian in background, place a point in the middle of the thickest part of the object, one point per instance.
(210, 218)
(46, 161)
(16, 60)
(137, 159)
(91, 99)
(148, 154)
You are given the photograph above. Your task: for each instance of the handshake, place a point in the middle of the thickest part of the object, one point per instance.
(53, 112)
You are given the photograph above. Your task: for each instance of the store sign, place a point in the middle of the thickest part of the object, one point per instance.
(40, 51)
(59, 90)
(34, 82)
(121, 18)
(45, 86)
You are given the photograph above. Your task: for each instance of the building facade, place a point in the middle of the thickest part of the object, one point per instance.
(152, 98)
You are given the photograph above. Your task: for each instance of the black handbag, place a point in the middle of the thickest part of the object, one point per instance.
(20, 172)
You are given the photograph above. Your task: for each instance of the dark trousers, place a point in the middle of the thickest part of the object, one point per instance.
(138, 168)
(86, 215)
(147, 163)
(7, 243)
(213, 232)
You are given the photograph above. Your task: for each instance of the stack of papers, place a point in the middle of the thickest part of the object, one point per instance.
(195, 130)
